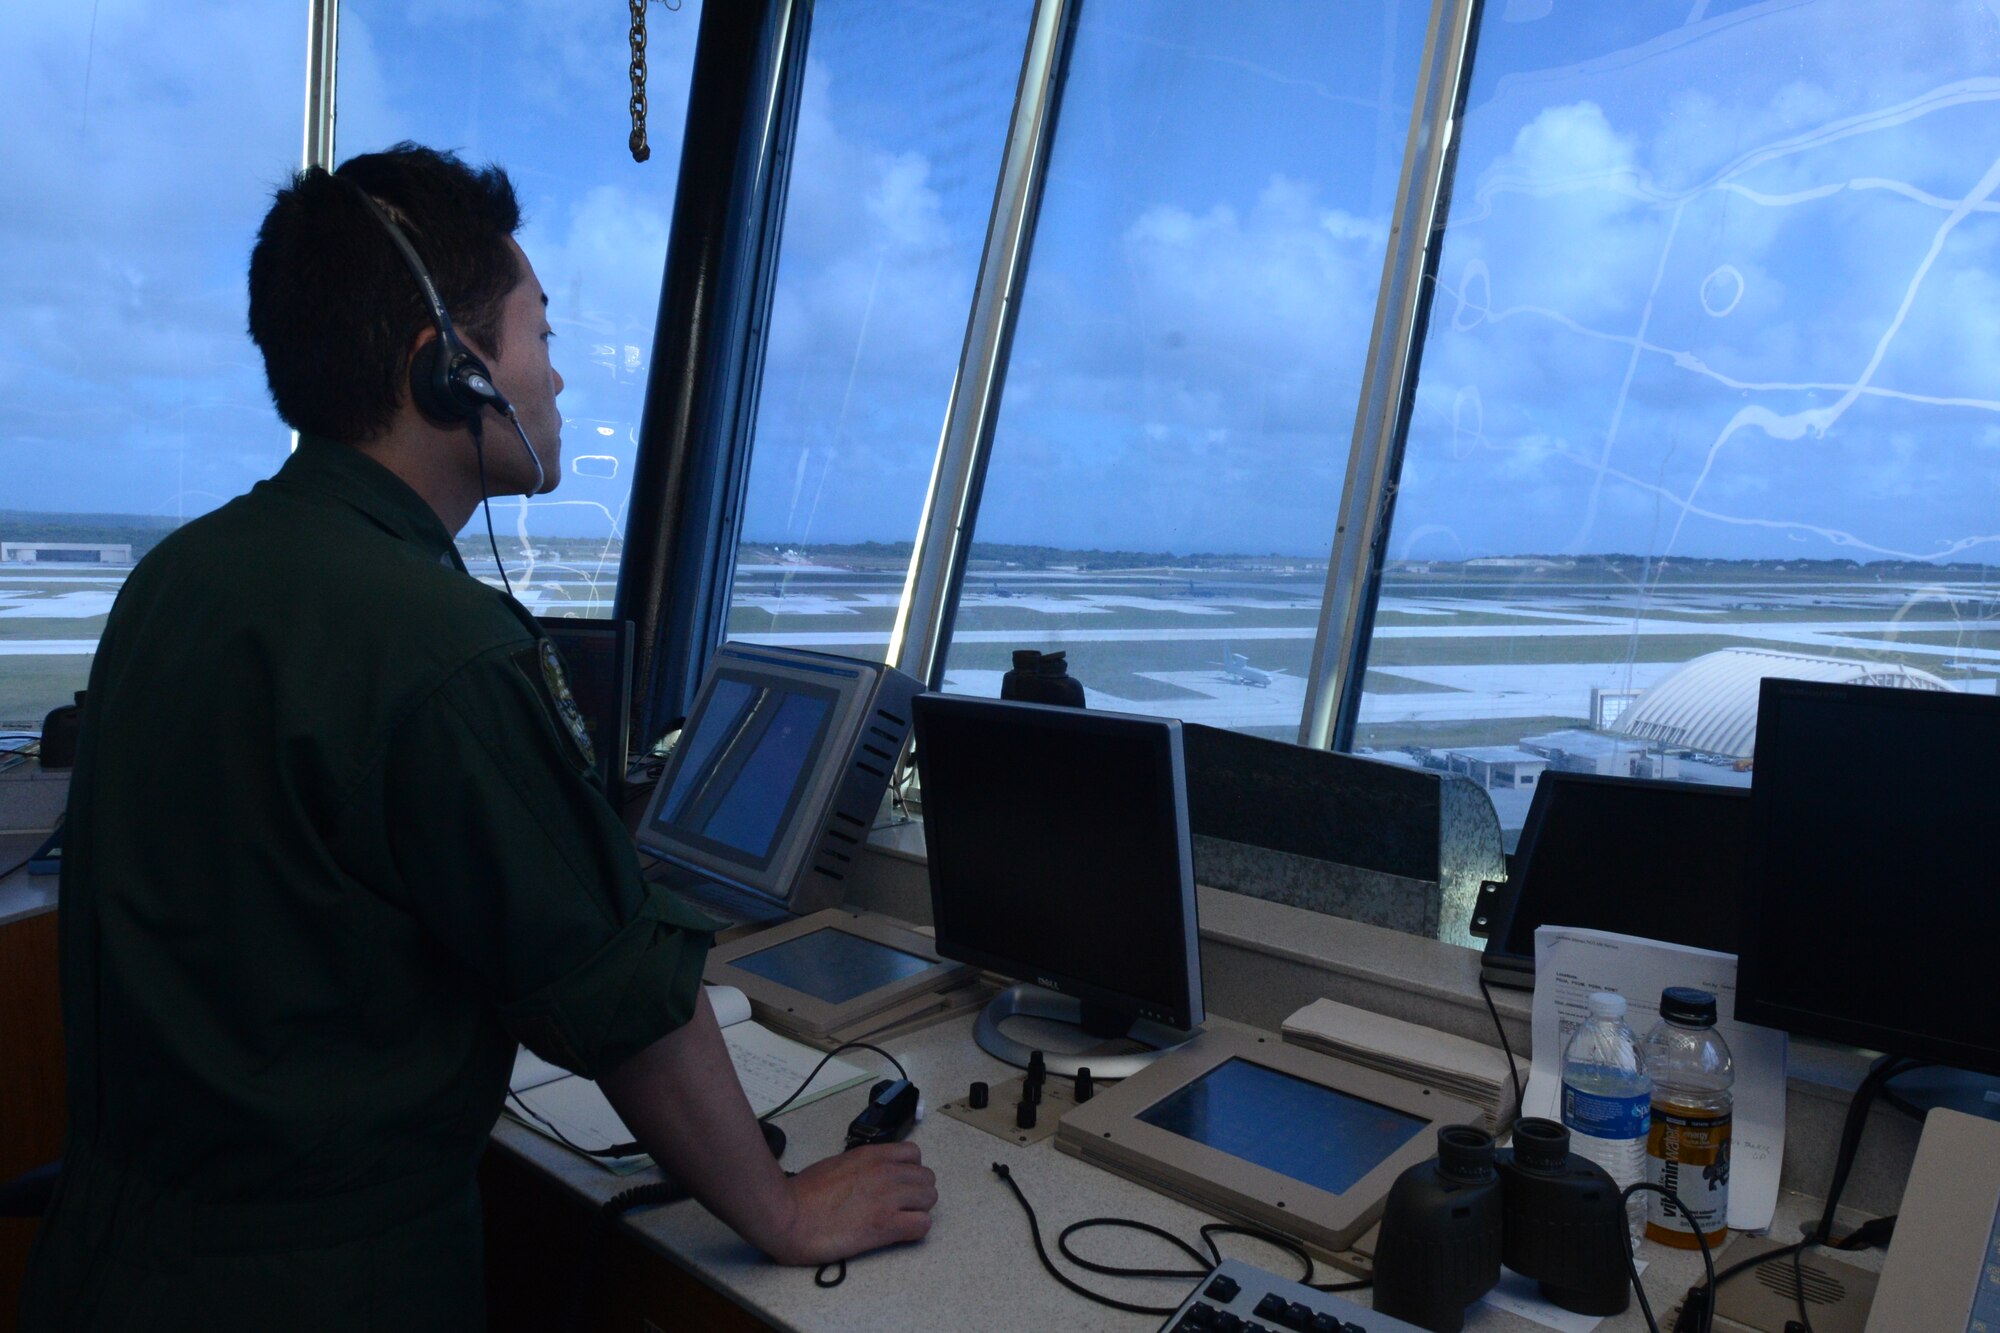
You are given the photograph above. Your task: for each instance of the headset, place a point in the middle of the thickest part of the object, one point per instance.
(449, 384)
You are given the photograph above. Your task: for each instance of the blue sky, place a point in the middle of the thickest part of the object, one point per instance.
(1720, 279)
(1720, 287)
(127, 383)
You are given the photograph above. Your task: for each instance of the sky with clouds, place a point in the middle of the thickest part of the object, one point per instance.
(1720, 283)
(127, 382)
(1719, 278)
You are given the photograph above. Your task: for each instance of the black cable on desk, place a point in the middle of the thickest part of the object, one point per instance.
(1632, 1268)
(844, 1046)
(616, 1150)
(1209, 1231)
(1821, 1233)
(635, 1149)
(1035, 1229)
(1879, 1073)
(1520, 1098)
(1208, 1265)
(1699, 1297)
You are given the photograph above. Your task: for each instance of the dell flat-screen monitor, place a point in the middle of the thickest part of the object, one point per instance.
(1876, 899)
(1660, 860)
(768, 796)
(1059, 854)
(597, 655)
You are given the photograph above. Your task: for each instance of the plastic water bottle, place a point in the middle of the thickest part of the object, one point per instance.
(1688, 1148)
(1607, 1098)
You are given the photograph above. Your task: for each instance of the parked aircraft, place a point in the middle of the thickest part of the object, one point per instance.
(1237, 668)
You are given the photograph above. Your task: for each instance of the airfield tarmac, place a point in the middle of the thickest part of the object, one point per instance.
(1455, 658)
(1458, 656)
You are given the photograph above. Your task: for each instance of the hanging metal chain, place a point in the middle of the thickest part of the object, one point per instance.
(641, 150)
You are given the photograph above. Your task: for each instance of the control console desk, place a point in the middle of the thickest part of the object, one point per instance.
(977, 1269)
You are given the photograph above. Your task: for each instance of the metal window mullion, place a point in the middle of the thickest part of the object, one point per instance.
(1381, 419)
(322, 60)
(322, 86)
(704, 369)
(777, 128)
(944, 537)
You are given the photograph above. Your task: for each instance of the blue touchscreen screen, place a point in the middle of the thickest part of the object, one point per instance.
(832, 966)
(1302, 1130)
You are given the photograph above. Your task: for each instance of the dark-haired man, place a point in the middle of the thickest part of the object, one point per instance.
(332, 849)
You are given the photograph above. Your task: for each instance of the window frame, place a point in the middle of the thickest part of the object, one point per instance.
(697, 423)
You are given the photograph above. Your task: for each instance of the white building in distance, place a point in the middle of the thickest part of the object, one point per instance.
(65, 553)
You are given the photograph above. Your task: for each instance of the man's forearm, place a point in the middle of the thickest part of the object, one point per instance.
(681, 1099)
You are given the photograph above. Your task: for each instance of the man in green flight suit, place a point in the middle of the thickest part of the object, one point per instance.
(332, 849)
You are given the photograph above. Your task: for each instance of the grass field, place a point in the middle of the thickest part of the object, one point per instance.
(1443, 735)
(31, 685)
(1529, 649)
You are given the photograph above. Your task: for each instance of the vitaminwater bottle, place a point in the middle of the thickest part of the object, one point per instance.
(1688, 1148)
(1607, 1097)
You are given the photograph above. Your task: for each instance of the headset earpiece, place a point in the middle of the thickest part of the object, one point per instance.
(449, 384)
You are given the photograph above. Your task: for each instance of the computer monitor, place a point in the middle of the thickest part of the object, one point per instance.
(598, 657)
(1875, 901)
(1661, 860)
(768, 796)
(1059, 854)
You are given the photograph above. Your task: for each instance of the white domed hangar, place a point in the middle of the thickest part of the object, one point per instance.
(1709, 706)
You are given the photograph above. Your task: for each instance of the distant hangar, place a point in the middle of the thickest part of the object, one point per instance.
(1710, 704)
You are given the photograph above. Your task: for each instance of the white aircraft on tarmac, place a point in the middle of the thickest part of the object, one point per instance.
(1236, 667)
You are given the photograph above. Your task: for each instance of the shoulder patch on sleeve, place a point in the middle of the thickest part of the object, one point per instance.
(557, 682)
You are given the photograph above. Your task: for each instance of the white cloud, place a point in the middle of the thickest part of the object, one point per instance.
(875, 276)
(139, 160)
(1608, 194)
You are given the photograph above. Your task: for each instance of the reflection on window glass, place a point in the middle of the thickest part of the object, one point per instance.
(1170, 448)
(901, 125)
(1709, 387)
(139, 158)
(541, 89)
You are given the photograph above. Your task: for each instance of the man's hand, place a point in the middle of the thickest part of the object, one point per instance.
(856, 1202)
(681, 1099)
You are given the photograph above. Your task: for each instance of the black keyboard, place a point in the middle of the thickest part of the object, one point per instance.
(1242, 1298)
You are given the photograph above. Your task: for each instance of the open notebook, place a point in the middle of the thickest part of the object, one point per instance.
(552, 1101)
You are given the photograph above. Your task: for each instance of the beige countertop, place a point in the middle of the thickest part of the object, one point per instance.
(977, 1269)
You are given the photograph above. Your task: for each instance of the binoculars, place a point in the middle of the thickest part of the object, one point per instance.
(1449, 1223)
(1041, 678)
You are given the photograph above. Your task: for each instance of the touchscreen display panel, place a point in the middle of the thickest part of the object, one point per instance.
(748, 756)
(1302, 1130)
(832, 966)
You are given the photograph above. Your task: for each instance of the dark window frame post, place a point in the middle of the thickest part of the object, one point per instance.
(693, 460)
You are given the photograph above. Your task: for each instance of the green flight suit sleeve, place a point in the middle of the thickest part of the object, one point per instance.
(519, 868)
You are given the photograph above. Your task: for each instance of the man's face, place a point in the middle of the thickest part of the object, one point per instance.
(521, 370)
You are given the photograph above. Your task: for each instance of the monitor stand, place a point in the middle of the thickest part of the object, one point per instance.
(1029, 1001)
